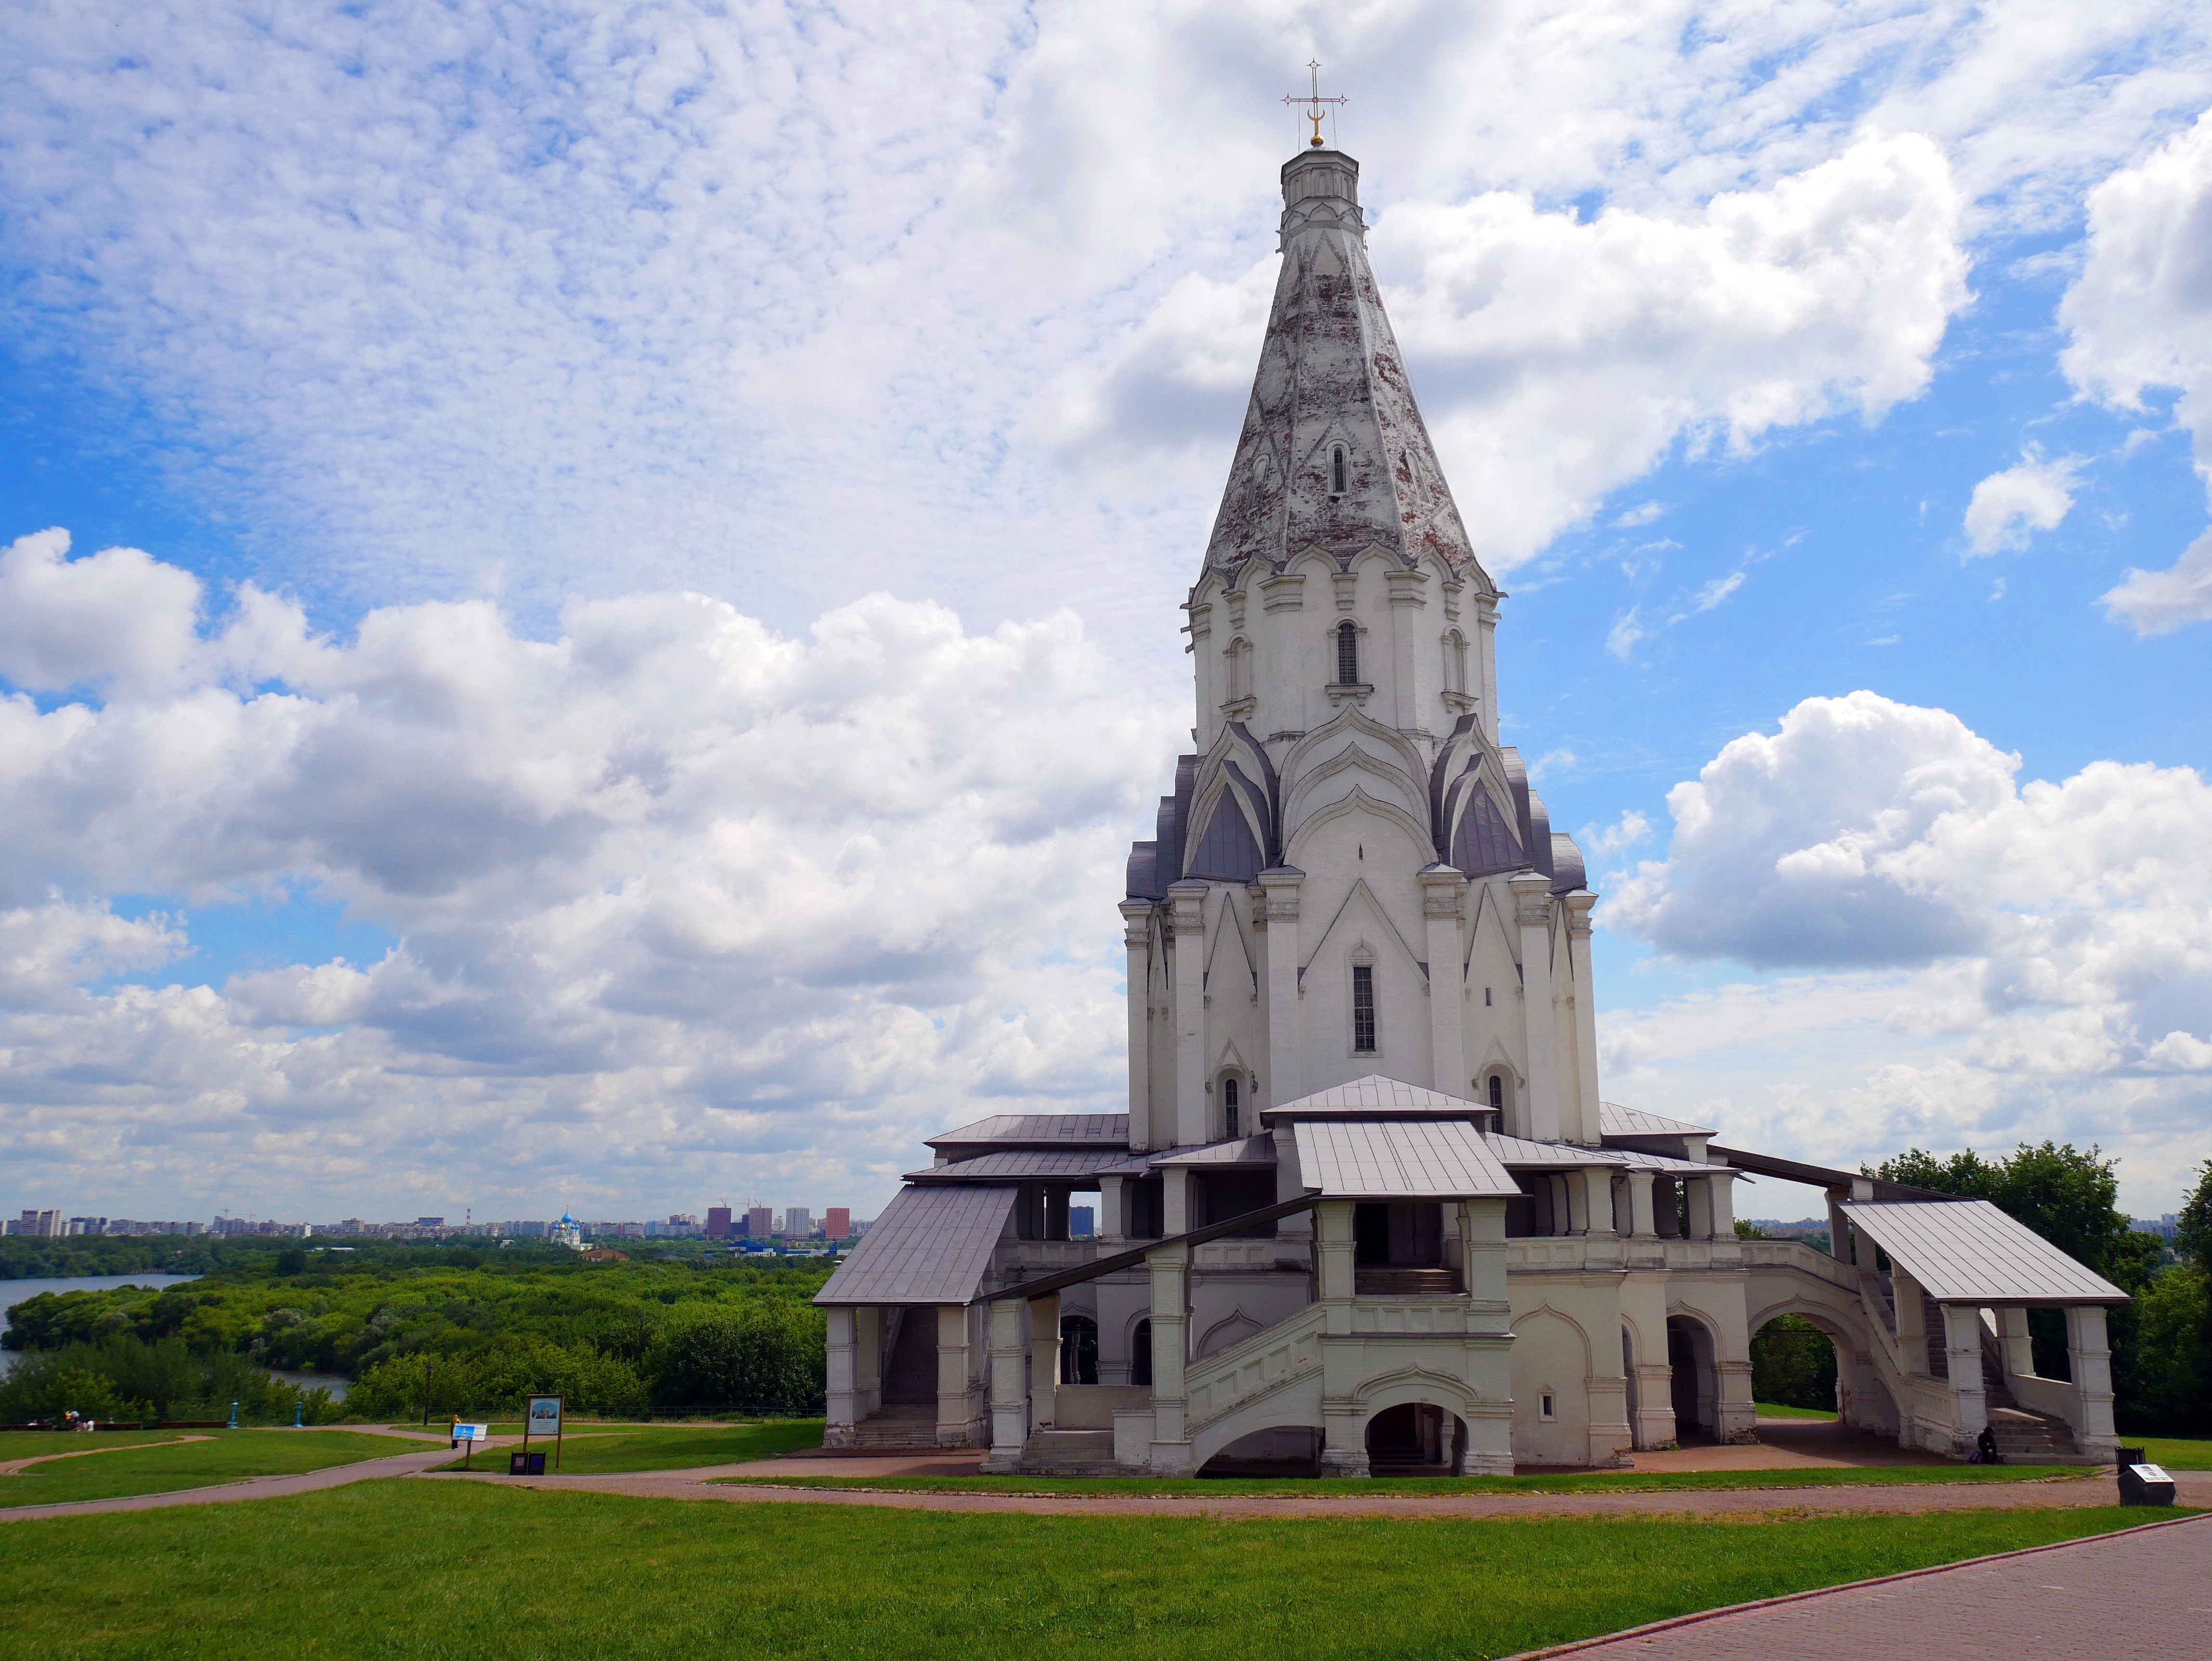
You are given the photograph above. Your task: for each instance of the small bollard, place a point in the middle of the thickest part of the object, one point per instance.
(2142, 1483)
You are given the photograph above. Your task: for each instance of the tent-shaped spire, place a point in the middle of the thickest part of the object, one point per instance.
(1333, 453)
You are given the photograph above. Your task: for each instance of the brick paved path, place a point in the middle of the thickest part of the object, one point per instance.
(2144, 1596)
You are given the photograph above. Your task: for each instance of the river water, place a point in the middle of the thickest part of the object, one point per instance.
(16, 1292)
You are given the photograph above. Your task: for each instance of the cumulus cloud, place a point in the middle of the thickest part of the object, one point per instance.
(2140, 317)
(680, 899)
(1968, 956)
(2007, 507)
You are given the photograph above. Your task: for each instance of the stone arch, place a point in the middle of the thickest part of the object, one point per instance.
(1357, 800)
(1693, 1357)
(1233, 1328)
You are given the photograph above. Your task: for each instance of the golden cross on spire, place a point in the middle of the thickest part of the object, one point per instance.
(1315, 114)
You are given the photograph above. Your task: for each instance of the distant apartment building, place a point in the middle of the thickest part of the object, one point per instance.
(837, 1222)
(760, 1222)
(38, 1225)
(85, 1226)
(1082, 1222)
(797, 1222)
(718, 1222)
(522, 1231)
(2165, 1226)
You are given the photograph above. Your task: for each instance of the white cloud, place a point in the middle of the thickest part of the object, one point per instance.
(2007, 507)
(1973, 958)
(681, 901)
(1625, 832)
(2141, 317)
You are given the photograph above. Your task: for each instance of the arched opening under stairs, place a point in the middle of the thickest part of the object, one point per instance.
(1693, 1366)
(1416, 1439)
(1793, 1365)
(1283, 1450)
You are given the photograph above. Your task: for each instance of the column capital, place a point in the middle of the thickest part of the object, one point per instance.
(1532, 898)
(1442, 888)
(1579, 905)
(1278, 888)
(1136, 922)
(1187, 906)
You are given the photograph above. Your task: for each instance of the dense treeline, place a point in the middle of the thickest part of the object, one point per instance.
(121, 1378)
(2161, 1342)
(26, 1258)
(463, 1328)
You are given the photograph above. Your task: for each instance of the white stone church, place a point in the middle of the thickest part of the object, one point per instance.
(1368, 1209)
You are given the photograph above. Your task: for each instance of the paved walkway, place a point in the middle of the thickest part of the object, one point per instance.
(2142, 1595)
(253, 1488)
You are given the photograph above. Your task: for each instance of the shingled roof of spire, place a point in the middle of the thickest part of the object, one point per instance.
(1330, 375)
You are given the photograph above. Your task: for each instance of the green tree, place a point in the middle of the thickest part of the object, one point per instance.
(1793, 1364)
(2193, 1238)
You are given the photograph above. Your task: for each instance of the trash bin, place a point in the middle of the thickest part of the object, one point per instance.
(519, 1463)
(2142, 1483)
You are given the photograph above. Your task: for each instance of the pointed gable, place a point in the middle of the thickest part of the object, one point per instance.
(1334, 453)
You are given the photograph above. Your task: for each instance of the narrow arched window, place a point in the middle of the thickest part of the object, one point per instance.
(1496, 1093)
(1455, 662)
(1229, 1093)
(1363, 1009)
(1336, 470)
(1348, 654)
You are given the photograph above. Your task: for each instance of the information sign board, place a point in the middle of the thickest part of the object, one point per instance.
(471, 1432)
(544, 1416)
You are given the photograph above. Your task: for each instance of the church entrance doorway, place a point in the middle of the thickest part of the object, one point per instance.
(1398, 1251)
(1416, 1440)
(910, 1369)
(1079, 1350)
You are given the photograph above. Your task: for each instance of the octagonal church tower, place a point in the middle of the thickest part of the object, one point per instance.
(1352, 875)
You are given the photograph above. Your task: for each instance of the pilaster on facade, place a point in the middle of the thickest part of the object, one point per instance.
(1280, 890)
(1444, 894)
(1532, 919)
(1582, 996)
(1009, 1396)
(1187, 918)
(1170, 1318)
(1136, 945)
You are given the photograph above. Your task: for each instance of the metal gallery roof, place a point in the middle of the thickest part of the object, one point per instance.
(1041, 1130)
(1399, 1160)
(1376, 1094)
(1967, 1252)
(1018, 1164)
(932, 1246)
(1614, 1120)
(1240, 1151)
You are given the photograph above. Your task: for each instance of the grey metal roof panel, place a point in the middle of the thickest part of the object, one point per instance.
(1387, 1159)
(1244, 1150)
(1374, 1094)
(1614, 1120)
(1049, 1130)
(1016, 1163)
(1516, 1151)
(1665, 1166)
(930, 1245)
(1967, 1252)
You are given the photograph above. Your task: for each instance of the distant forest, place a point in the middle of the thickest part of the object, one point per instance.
(416, 1327)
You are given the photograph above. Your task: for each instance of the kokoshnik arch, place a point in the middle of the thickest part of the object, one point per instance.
(1368, 1208)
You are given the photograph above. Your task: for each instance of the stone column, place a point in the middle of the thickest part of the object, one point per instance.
(1597, 1206)
(1532, 917)
(1407, 599)
(1279, 888)
(1010, 1419)
(956, 1369)
(1962, 1343)
(2019, 1347)
(1644, 1226)
(1442, 889)
(1137, 941)
(1179, 1201)
(1911, 1321)
(844, 1413)
(1333, 1250)
(1170, 1268)
(1186, 1125)
(1700, 1192)
(1840, 1227)
(1113, 1210)
(1044, 1360)
(2090, 1361)
(1720, 1201)
(1579, 1116)
(867, 1361)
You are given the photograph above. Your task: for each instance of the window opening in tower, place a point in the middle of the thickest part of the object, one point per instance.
(1363, 1009)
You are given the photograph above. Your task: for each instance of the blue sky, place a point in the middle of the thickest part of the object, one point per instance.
(395, 812)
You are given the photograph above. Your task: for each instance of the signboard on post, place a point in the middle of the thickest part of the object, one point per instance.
(468, 1436)
(542, 1417)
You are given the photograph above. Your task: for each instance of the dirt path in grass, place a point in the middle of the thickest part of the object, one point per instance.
(252, 1487)
(14, 1465)
(2092, 1487)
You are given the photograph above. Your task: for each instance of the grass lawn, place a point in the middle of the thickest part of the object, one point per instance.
(32, 1444)
(664, 1447)
(230, 1457)
(2174, 1452)
(1775, 1410)
(1635, 1481)
(402, 1569)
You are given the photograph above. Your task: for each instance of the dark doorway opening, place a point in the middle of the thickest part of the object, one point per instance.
(910, 1370)
(1079, 1350)
(1140, 1354)
(1416, 1440)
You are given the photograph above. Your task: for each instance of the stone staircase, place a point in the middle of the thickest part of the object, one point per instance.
(2031, 1439)
(1069, 1453)
(898, 1426)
